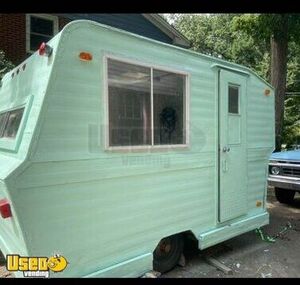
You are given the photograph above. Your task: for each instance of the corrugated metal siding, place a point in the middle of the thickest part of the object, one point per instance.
(99, 208)
(134, 23)
(260, 138)
(17, 90)
(121, 192)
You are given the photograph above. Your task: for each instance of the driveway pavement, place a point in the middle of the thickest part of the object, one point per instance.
(247, 255)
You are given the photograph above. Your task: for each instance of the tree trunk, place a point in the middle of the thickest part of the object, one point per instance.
(279, 49)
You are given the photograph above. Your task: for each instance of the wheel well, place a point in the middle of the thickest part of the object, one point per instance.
(187, 236)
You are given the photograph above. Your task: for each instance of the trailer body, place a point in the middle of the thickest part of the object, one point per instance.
(85, 182)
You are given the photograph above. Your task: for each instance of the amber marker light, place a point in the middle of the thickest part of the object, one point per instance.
(267, 92)
(85, 56)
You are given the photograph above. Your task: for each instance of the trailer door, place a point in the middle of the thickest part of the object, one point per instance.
(232, 145)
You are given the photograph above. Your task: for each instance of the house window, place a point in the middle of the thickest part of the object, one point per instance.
(146, 105)
(39, 28)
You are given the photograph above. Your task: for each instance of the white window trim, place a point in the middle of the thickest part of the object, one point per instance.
(54, 19)
(186, 110)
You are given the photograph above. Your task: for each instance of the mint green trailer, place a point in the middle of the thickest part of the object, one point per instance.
(104, 154)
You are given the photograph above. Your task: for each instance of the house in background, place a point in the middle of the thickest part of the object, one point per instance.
(21, 34)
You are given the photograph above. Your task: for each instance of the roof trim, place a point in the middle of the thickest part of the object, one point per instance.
(178, 38)
(222, 66)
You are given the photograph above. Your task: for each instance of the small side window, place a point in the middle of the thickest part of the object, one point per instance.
(3, 118)
(10, 123)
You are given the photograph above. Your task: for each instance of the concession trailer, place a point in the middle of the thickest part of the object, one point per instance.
(115, 147)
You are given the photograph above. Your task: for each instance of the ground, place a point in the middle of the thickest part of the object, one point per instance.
(247, 255)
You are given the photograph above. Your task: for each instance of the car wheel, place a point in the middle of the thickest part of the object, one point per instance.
(284, 196)
(167, 253)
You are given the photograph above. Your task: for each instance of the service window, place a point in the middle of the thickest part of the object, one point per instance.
(146, 106)
(168, 107)
(129, 89)
(10, 123)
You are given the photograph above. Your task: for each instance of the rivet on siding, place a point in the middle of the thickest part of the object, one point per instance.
(258, 203)
(267, 92)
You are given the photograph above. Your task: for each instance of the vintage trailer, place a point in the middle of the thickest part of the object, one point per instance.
(113, 147)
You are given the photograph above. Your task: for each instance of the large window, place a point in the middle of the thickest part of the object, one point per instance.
(146, 106)
(39, 28)
(10, 123)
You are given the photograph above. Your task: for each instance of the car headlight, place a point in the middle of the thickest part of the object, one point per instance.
(275, 170)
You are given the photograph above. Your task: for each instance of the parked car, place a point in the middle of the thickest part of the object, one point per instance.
(284, 174)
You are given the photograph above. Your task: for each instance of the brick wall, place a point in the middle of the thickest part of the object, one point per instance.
(13, 35)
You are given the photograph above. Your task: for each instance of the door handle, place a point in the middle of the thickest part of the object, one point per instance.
(226, 149)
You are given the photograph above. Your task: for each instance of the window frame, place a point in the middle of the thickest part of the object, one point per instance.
(52, 18)
(239, 99)
(12, 144)
(186, 107)
(7, 118)
(2, 128)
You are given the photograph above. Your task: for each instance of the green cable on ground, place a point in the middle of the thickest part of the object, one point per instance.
(263, 236)
(267, 238)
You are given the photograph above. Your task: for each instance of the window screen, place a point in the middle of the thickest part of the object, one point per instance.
(11, 123)
(129, 90)
(233, 99)
(168, 99)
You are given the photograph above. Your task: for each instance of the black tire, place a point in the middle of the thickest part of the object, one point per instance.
(284, 196)
(167, 253)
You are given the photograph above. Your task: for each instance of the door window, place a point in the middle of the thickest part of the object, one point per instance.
(233, 99)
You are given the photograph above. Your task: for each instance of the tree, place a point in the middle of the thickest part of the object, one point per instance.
(215, 35)
(291, 130)
(263, 42)
(5, 65)
(280, 29)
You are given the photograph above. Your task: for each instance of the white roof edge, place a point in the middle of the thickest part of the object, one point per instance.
(168, 29)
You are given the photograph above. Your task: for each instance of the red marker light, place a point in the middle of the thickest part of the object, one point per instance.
(5, 209)
(45, 49)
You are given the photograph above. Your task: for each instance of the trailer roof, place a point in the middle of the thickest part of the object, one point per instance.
(221, 63)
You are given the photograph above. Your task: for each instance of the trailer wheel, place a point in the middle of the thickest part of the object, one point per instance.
(167, 253)
(284, 196)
